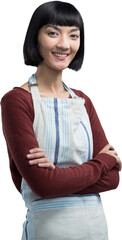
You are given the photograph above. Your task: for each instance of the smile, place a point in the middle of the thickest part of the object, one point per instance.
(60, 54)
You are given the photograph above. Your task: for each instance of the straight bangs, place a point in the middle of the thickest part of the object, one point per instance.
(62, 14)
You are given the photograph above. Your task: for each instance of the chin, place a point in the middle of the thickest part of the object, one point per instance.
(60, 68)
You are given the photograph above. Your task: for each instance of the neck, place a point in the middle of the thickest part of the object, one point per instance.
(49, 80)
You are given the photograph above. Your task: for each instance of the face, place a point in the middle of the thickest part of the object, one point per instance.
(58, 45)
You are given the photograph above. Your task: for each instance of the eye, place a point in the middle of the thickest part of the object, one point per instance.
(74, 36)
(52, 34)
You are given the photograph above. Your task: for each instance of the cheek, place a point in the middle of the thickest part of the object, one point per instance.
(46, 44)
(76, 46)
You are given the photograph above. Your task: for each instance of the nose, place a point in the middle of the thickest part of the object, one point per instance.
(63, 43)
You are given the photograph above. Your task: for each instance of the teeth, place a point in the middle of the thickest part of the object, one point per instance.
(60, 55)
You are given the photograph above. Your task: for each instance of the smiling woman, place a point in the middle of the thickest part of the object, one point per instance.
(60, 158)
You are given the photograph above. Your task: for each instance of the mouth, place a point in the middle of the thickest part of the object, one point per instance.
(60, 55)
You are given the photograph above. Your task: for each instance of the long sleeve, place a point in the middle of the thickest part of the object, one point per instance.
(17, 123)
(108, 181)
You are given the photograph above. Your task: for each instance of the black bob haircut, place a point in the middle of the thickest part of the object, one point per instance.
(58, 13)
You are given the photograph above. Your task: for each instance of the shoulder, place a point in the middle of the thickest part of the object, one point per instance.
(17, 93)
(88, 102)
(16, 99)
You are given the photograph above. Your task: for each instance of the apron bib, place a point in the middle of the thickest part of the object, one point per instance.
(62, 128)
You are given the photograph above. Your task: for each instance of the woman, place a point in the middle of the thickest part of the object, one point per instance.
(60, 159)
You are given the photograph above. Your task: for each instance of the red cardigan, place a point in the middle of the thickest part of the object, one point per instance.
(97, 175)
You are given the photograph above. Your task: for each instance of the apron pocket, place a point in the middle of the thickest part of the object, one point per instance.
(58, 221)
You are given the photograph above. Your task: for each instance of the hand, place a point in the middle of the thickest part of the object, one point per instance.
(38, 157)
(110, 150)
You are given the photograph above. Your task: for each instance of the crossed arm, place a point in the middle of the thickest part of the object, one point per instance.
(98, 174)
(106, 182)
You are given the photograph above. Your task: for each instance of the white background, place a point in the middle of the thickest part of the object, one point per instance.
(100, 78)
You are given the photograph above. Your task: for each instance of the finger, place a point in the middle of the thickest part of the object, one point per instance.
(119, 161)
(39, 160)
(35, 155)
(36, 150)
(119, 166)
(47, 165)
(113, 152)
(111, 148)
(105, 149)
(43, 162)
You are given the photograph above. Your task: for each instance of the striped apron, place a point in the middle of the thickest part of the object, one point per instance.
(62, 128)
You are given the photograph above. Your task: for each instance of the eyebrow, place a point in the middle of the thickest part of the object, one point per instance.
(55, 27)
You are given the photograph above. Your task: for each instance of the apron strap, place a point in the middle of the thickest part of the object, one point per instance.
(33, 85)
(73, 95)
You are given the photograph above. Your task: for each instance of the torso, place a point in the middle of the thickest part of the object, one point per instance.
(62, 128)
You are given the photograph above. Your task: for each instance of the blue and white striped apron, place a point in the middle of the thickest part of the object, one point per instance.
(62, 128)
